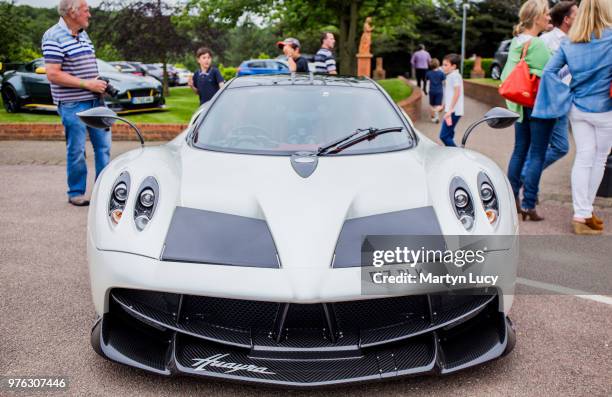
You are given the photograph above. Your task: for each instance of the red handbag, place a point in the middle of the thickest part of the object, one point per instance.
(521, 87)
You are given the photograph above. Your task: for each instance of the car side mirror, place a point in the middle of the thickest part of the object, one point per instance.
(41, 70)
(102, 117)
(495, 118)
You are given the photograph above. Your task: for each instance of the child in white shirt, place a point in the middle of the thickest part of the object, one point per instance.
(453, 98)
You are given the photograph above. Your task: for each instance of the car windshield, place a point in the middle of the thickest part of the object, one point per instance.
(105, 67)
(281, 120)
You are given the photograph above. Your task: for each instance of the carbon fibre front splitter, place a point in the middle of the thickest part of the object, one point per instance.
(137, 342)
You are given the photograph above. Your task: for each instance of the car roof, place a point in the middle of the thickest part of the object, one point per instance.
(264, 59)
(302, 79)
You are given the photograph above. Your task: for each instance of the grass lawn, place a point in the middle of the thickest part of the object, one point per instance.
(396, 88)
(487, 81)
(180, 106)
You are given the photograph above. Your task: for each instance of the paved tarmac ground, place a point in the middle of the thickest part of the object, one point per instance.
(564, 343)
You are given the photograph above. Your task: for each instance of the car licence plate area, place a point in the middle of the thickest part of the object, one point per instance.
(142, 100)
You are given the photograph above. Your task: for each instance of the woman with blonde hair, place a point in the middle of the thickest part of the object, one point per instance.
(532, 134)
(588, 55)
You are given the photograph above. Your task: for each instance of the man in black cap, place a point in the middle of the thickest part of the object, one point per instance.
(291, 48)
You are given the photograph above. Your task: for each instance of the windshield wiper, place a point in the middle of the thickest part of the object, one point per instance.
(359, 135)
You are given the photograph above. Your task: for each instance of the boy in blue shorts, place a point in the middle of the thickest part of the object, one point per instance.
(436, 78)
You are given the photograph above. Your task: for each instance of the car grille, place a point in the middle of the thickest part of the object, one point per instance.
(143, 92)
(302, 344)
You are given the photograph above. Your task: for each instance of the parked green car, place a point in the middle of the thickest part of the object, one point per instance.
(26, 87)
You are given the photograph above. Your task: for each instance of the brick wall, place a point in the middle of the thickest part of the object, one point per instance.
(484, 93)
(412, 104)
(55, 132)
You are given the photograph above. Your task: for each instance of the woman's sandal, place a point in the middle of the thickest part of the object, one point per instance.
(584, 229)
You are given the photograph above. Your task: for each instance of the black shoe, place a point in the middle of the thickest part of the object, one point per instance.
(79, 201)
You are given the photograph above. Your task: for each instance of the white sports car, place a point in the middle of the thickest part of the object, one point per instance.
(235, 250)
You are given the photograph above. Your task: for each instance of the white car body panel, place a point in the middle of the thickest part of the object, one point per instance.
(305, 216)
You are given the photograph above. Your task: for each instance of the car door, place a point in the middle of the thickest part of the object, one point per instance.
(36, 84)
(281, 67)
(502, 53)
(258, 67)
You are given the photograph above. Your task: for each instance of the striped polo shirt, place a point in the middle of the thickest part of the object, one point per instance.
(77, 57)
(324, 61)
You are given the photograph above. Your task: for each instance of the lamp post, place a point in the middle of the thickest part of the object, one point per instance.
(465, 7)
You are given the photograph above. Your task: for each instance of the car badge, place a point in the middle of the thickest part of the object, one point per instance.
(228, 367)
(304, 163)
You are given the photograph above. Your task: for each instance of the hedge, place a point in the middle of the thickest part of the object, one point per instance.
(468, 65)
(228, 72)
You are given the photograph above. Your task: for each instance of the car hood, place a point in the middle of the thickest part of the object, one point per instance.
(305, 215)
(125, 81)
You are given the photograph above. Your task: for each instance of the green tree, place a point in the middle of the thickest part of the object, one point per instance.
(13, 40)
(305, 19)
(247, 40)
(142, 30)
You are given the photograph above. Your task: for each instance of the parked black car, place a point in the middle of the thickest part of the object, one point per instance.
(27, 87)
(500, 58)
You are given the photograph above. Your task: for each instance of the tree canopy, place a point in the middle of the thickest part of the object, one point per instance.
(169, 31)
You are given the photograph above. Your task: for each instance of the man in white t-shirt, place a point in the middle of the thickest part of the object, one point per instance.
(453, 98)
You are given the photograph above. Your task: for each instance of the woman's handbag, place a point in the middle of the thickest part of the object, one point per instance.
(521, 87)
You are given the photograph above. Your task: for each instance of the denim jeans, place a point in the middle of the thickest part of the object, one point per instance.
(559, 144)
(76, 133)
(532, 137)
(447, 134)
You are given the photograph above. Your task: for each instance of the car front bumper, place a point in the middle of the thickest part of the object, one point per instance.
(175, 334)
(288, 327)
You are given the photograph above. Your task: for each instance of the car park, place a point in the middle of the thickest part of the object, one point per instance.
(233, 251)
(183, 76)
(125, 67)
(27, 88)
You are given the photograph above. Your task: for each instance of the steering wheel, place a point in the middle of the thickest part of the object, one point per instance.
(250, 137)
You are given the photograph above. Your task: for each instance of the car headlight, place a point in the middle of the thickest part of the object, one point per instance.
(119, 196)
(462, 202)
(144, 208)
(147, 198)
(488, 197)
(121, 192)
(461, 198)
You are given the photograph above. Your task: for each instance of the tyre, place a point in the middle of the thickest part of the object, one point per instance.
(10, 100)
(496, 72)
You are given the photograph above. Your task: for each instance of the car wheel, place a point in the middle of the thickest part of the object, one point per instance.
(10, 100)
(495, 72)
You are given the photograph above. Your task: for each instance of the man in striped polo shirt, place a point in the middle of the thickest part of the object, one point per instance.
(324, 58)
(72, 70)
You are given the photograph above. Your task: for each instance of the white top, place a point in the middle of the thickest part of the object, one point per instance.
(523, 38)
(553, 40)
(453, 80)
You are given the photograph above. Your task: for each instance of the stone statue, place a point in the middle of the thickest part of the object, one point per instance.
(366, 37)
(477, 72)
